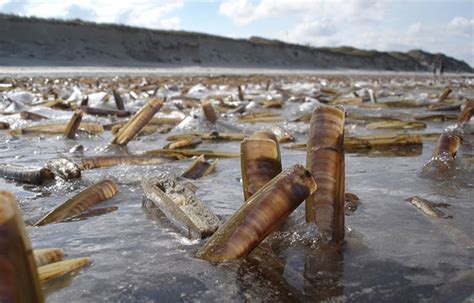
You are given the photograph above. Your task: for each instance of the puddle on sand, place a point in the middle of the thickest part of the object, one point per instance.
(393, 253)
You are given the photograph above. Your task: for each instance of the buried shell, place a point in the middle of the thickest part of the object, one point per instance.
(73, 124)
(45, 256)
(37, 176)
(81, 202)
(58, 269)
(260, 161)
(427, 207)
(19, 281)
(259, 216)
(325, 161)
(179, 204)
(137, 122)
(199, 168)
(108, 161)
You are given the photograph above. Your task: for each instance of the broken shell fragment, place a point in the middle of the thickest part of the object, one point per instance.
(199, 168)
(260, 161)
(435, 117)
(31, 116)
(81, 202)
(56, 129)
(137, 122)
(115, 160)
(397, 125)
(58, 269)
(265, 117)
(64, 168)
(186, 153)
(37, 176)
(381, 140)
(19, 281)
(45, 256)
(73, 124)
(347, 101)
(179, 204)
(325, 161)
(95, 111)
(217, 136)
(184, 142)
(259, 216)
(362, 117)
(445, 94)
(209, 111)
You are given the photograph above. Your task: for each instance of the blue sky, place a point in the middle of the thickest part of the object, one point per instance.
(433, 25)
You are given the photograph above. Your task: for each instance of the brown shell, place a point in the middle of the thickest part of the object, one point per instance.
(81, 202)
(325, 160)
(73, 124)
(447, 143)
(108, 161)
(209, 111)
(260, 161)
(45, 256)
(19, 281)
(137, 122)
(58, 269)
(37, 176)
(259, 216)
(199, 168)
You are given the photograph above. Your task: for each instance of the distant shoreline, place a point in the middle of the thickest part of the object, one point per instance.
(61, 71)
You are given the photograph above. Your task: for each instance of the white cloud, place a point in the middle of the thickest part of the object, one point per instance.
(462, 26)
(242, 12)
(152, 14)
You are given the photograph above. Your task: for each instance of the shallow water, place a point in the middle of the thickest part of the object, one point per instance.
(393, 252)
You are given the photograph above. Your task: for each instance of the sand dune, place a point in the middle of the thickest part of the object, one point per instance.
(41, 42)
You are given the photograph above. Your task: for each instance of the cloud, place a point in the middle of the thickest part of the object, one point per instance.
(242, 12)
(462, 26)
(151, 14)
(79, 12)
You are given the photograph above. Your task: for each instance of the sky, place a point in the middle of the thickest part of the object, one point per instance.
(444, 26)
